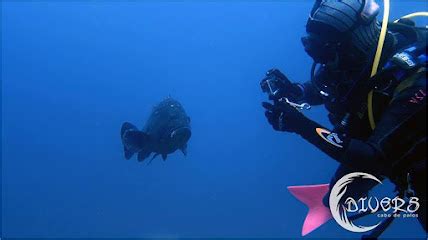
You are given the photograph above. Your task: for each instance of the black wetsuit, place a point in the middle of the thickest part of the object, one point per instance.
(395, 149)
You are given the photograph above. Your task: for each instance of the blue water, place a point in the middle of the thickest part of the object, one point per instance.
(73, 72)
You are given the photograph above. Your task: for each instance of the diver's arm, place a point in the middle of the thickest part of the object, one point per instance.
(310, 94)
(284, 117)
(394, 135)
(351, 152)
(305, 92)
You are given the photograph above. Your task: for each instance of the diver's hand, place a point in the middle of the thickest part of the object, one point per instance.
(274, 72)
(279, 83)
(284, 117)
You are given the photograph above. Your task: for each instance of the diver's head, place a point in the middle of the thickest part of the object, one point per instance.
(343, 32)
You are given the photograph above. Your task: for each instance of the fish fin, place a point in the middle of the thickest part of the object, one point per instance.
(312, 196)
(126, 126)
(143, 154)
(128, 154)
(164, 156)
(149, 162)
(133, 140)
(184, 150)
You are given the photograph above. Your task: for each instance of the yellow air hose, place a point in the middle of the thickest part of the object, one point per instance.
(386, 7)
(377, 60)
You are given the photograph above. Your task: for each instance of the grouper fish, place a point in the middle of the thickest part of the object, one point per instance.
(166, 131)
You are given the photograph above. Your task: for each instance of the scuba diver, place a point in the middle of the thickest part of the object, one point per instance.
(379, 121)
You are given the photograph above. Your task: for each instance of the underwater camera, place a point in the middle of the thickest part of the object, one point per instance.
(275, 84)
(280, 89)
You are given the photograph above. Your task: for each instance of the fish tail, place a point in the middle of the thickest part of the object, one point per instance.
(134, 141)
